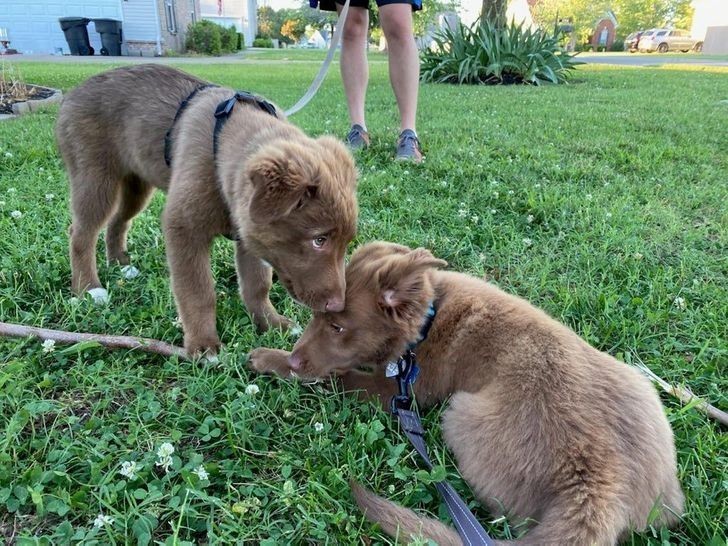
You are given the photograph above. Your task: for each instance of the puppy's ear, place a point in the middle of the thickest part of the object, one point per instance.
(280, 184)
(401, 281)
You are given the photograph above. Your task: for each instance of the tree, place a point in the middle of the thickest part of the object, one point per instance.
(293, 29)
(269, 23)
(494, 10)
(631, 15)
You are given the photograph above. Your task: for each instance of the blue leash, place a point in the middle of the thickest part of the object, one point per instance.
(470, 531)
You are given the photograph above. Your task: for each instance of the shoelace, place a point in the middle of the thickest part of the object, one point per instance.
(355, 131)
(409, 138)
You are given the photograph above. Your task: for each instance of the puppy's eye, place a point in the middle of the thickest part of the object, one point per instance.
(319, 241)
(336, 328)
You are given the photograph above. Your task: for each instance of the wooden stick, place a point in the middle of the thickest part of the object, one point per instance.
(112, 342)
(685, 395)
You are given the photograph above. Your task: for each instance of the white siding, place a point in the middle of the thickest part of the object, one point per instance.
(139, 20)
(33, 24)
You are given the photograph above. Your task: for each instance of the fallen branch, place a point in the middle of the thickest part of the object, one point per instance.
(112, 342)
(685, 395)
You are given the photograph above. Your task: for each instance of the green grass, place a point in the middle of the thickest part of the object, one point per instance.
(602, 202)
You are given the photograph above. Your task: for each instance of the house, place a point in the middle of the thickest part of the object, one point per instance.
(238, 13)
(149, 27)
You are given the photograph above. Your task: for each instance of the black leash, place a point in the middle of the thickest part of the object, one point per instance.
(180, 109)
(405, 371)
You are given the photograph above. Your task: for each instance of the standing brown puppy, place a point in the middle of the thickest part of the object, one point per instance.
(286, 199)
(541, 424)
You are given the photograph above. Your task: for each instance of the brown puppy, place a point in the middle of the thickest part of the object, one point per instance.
(541, 424)
(288, 200)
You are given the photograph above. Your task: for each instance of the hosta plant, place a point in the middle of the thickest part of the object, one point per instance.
(488, 54)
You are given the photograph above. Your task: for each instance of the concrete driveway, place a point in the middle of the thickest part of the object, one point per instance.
(653, 59)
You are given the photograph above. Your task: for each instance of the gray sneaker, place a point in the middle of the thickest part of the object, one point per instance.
(408, 147)
(358, 138)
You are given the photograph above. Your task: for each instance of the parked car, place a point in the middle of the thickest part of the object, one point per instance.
(664, 40)
(631, 42)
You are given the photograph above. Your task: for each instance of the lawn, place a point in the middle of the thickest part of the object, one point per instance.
(603, 202)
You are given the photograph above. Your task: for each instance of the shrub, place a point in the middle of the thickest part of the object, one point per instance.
(229, 39)
(212, 39)
(204, 37)
(486, 54)
(617, 45)
(262, 42)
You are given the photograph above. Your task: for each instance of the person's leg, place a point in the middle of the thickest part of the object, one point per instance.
(404, 61)
(354, 67)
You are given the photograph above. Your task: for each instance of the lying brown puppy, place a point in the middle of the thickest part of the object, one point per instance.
(286, 199)
(541, 424)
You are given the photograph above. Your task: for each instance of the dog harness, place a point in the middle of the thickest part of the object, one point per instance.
(181, 108)
(405, 370)
(222, 112)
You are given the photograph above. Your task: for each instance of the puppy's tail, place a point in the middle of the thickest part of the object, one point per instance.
(397, 521)
(561, 524)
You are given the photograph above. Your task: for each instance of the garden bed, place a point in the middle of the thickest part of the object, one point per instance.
(32, 98)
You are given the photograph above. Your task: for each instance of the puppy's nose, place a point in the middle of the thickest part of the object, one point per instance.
(294, 361)
(335, 305)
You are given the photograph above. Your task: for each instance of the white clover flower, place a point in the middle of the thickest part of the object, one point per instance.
(443, 183)
(41, 169)
(201, 473)
(288, 414)
(474, 218)
(177, 323)
(8, 154)
(49, 345)
(493, 211)
(511, 192)
(462, 213)
(165, 450)
(102, 520)
(609, 215)
(49, 196)
(537, 185)
(74, 300)
(496, 194)
(589, 196)
(164, 463)
(12, 190)
(527, 241)
(252, 389)
(2, 203)
(679, 303)
(391, 187)
(529, 218)
(637, 256)
(16, 214)
(405, 173)
(129, 469)
(318, 427)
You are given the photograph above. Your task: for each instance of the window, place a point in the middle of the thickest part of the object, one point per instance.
(171, 16)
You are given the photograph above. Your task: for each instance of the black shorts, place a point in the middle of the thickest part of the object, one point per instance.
(329, 5)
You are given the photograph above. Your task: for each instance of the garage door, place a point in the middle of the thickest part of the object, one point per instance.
(33, 27)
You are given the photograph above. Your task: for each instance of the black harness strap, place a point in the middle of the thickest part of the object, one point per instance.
(405, 371)
(180, 109)
(222, 112)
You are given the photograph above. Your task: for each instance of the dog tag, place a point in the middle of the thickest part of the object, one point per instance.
(392, 369)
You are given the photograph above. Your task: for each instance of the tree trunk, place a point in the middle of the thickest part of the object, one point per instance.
(494, 11)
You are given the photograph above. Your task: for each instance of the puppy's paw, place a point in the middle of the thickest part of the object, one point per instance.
(272, 320)
(203, 349)
(270, 361)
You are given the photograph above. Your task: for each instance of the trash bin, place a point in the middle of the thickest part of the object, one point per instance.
(110, 30)
(74, 28)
